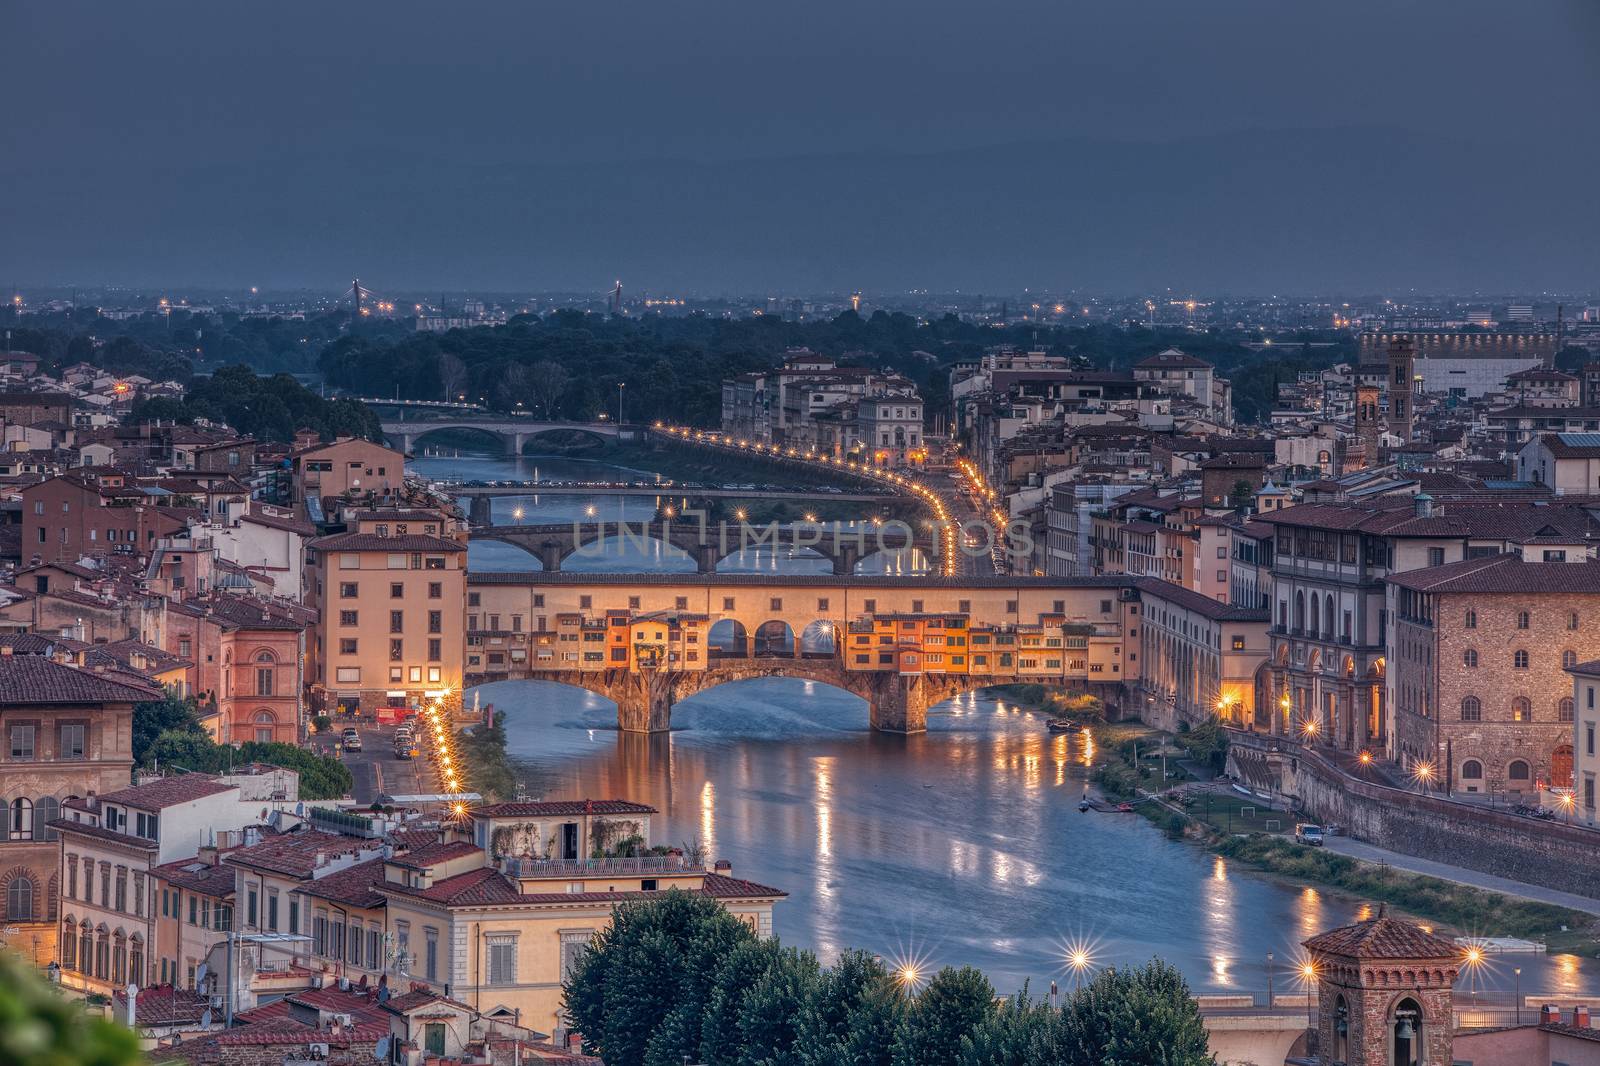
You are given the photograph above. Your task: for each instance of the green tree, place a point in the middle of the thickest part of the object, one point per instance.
(633, 976)
(321, 778)
(1007, 1037)
(39, 1027)
(719, 1030)
(852, 1015)
(1140, 1015)
(769, 1016)
(154, 717)
(953, 1005)
(717, 935)
(483, 750)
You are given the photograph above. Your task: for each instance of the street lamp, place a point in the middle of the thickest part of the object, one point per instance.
(1269, 980)
(1423, 773)
(620, 387)
(1079, 958)
(1308, 978)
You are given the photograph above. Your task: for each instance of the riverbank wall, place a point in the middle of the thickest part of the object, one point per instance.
(1549, 854)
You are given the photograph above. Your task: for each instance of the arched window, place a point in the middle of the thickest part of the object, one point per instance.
(1471, 709)
(1517, 771)
(1521, 709)
(265, 674)
(1299, 611)
(136, 959)
(1519, 659)
(22, 818)
(1406, 1030)
(47, 810)
(1569, 659)
(19, 900)
(1564, 709)
(1315, 616)
(69, 944)
(1341, 1030)
(266, 723)
(102, 954)
(1472, 770)
(1327, 618)
(119, 960)
(1469, 658)
(85, 948)
(1572, 620)
(1524, 619)
(1472, 619)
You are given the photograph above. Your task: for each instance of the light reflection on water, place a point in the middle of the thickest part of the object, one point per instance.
(955, 842)
(963, 845)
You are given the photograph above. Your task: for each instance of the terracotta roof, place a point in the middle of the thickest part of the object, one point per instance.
(1199, 603)
(1172, 358)
(435, 853)
(1510, 520)
(1502, 573)
(354, 886)
(411, 542)
(272, 521)
(1383, 938)
(420, 997)
(561, 808)
(167, 792)
(32, 679)
(164, 1005)
(471, 889)
(295, 854)
(196, 876)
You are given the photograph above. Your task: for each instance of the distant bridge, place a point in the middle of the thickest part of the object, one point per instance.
(514, 433)
(645, 488)
(710, 543)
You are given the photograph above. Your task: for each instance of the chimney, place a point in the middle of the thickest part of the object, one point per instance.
(1580, 1016)
(1549, 1014)
(1422, 505)
(723, 867)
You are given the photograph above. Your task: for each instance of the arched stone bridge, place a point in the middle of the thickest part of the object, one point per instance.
(711, 543)
(514, 433)
(896, 703)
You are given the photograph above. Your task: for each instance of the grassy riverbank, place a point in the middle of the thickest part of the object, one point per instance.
(1129, 767)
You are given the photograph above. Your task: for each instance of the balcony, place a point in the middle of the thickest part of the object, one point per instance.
(578, 869)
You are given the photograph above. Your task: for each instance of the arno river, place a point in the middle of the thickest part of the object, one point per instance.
(963, 845)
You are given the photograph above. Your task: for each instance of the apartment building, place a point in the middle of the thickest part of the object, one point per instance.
(346, 468)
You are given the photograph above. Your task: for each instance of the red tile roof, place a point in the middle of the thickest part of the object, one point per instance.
(411, 542)
(167, 792)
(295, 853)
(1505, 573)
(435, 853)
(561, 808)
(32, 679)
(1383, 938)
(197, 876)
(354, 886)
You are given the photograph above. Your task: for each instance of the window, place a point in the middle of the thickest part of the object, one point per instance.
(1471, 709)
(573, 945)
(1517, 771)
(1569, 659)
(22, 819)
(397, 591)
(1523, 619)
(72, 744)
(347, 645)
(349, 590)
(1471, 621)
(397, 621)
(1435, 556)
(430, 957)
(1521, 709)
(396, 650)
(1472, 770)
(435, 650)
(19, 900)
(1519, 660)
(349, 618)
(1469, 658)
(436, 621)
(264, 676)
(435, 590)
(22, 741)
(1564, 709)
(502, 959)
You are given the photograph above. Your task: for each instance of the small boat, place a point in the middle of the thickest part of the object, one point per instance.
(1084, 807)
(1125, 808)
(1057, 725)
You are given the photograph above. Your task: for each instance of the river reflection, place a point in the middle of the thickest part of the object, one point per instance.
(963, 845)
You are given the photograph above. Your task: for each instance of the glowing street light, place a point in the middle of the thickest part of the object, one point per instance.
(1423, 773)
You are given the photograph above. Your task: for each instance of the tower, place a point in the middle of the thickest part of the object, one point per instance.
(1402, 372)
(1369, 424)
(1384, 991)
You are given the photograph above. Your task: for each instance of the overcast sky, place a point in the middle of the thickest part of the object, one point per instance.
(740, 146)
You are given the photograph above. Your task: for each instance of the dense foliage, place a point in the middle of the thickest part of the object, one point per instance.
(267, 408)
(677, 978)
(569, 364)
(483, 751)
(167, 733)
(40, 1027)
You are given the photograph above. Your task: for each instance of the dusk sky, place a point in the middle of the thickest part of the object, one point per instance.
(1235, 146)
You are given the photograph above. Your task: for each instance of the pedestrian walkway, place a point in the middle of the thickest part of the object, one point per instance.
(1356, 849)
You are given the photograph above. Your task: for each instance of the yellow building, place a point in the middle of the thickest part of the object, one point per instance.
(390, 620)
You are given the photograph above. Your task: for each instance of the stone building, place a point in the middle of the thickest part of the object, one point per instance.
(67, 733)
(1476, 661)
(1330, 634)
(1384, 994)
(1199, 657)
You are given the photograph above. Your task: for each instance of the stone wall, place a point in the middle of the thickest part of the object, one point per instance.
(1550, 854)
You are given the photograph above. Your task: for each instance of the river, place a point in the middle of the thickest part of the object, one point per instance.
(960, 846)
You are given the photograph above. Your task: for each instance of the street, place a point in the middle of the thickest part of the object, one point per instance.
(375, 768)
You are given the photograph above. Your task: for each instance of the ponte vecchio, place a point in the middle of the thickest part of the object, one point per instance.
(646, 640)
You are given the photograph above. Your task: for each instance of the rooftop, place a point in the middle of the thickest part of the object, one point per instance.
(1383, 938)
(33, 679)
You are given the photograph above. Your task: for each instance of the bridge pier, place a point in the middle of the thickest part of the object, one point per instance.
(844, 559)
(644, 701)
(550, 557)
(706, 558)
(480, 511)
(898, 704)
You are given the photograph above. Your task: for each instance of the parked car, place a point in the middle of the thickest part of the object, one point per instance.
(1308, 834)
(350, 740)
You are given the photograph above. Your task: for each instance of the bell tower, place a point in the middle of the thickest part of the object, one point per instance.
(1402, 373)
(1369, 424)
(1383, 994)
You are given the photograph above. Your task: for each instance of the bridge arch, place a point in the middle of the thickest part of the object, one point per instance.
(774, 639)
(726, 638)
(765, 559)
(588, 435)
(897, 561)
(483, 439)
(821, 639)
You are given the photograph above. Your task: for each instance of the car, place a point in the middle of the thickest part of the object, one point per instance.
(1308, 834)
(350, 740)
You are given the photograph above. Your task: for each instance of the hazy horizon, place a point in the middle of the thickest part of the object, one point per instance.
(1244, 147)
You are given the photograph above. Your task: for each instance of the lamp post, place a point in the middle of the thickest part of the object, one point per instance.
(1269, 980)
(1517, 972)
(620, 387)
